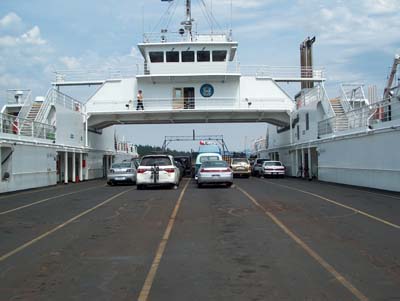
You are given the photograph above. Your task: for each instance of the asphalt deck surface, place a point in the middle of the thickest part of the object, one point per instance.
(262, 239)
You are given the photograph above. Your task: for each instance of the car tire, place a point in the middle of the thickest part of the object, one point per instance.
(110, 183)
(139, 187)
(229, 185)
(199, 185)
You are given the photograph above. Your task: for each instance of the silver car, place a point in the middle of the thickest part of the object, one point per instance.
(273, 168)
(123, 172)
(214, 172)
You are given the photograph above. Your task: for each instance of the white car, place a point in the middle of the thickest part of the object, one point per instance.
(273, 168)
(157, 170)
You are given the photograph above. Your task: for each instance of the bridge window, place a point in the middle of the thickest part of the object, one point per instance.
(219, 55)
(187, 56)
(172, 56)
(156, 56)
(203, 56)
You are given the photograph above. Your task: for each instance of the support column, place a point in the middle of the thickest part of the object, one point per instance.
(1, 172)
(80, 170)
(86, 132)
(107, 164)
(65, 167)
(86, 168)
(297, 162)
(73, 168)
(302, 163)
(309, 164)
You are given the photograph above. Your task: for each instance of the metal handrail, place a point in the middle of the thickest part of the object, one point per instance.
(10, 124)
(44, 108)
(143, 68)
(366, 116)
(26, 106)
(212, 103)
(56, 97)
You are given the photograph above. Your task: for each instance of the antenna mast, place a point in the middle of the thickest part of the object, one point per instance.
(189, 21)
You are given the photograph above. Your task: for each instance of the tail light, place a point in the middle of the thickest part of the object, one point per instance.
(141, 170)
(169, 170)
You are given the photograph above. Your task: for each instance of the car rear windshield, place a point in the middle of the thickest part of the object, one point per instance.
(260, 161)
(214, 164)
(121, 165)
(160, 161)
(208, 158)
(273, 164)
(240, 160)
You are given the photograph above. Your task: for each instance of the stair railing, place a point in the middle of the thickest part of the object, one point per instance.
(326, 104)
(45, 108)
(23, 113)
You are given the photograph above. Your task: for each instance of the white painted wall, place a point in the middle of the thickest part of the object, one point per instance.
(70, 128)
(160, 95)
(31, 166)
(105, 141)
(364, 161)
(265, 91)
(113, 95)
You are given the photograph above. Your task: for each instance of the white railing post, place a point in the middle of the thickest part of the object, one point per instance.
(32, 129)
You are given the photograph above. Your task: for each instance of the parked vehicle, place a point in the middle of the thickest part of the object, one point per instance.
(257, 167)
(203, 157)
(157, 170)
(123, 172)
(186, 162)
(214, 172)
(273, 168)
(181, 168)
(241, 167)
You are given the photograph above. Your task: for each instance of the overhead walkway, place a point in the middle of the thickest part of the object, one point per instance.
(99, 120)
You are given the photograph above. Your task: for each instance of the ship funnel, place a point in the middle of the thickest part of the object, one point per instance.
(306, 62)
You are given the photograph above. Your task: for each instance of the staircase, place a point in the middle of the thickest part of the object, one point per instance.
(342, 122)
(26, 126)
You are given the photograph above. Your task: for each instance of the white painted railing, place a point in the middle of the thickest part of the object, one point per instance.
(318, 93)
(212, 103)
(27, 104)
(260, 71)
(167, 36)
(18, 96)
(24, 127)
(55, 97)
(366, 116)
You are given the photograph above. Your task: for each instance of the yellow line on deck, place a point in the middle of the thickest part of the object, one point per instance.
(44, 235)
(360, 296)
(339, 204)
(144, 293)
(47, 199)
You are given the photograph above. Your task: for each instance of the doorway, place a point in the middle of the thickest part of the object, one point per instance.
(183, 98)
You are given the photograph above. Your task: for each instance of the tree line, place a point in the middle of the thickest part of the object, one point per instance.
(144, 150)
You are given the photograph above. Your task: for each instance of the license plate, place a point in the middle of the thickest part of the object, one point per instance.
(120, 178)
(216, 176)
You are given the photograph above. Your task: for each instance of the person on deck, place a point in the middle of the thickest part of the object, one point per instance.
(140, 100)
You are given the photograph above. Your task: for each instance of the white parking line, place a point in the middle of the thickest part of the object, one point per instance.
(47, 199)
(44, 235)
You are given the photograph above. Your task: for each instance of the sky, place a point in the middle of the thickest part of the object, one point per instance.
(355, 42)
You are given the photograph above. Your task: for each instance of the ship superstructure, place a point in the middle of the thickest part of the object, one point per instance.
(351, 139)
